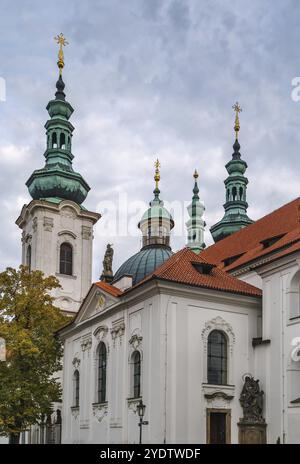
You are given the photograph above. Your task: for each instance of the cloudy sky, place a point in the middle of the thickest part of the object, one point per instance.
(151, 78)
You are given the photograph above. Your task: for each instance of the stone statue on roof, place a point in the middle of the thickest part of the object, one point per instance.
(107, 273)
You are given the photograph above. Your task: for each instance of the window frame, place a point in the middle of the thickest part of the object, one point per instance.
(293, 297)
(28, 257)
(76, 389)
(101, 373)
(221, 359)
(136, 374)
(64, 262)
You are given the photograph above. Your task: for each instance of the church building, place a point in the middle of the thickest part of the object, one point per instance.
(200, 345)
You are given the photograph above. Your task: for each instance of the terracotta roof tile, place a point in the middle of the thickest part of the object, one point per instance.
(247, 244)
(181, 268)
(114, 291)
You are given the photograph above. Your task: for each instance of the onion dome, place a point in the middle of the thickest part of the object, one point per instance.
(156, 222)
(143, 263)
(235, 217)
(57, 180)
(155, 225)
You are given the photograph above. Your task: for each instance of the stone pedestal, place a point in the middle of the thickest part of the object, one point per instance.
(251, 433)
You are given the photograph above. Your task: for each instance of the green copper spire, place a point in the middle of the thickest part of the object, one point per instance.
(235, 217)
(57, 179)
(156, 222)
(195, 225)
(156, 191)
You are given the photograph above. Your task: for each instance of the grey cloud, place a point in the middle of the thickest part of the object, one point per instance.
(153, 78)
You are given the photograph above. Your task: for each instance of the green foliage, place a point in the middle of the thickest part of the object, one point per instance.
(28, 321)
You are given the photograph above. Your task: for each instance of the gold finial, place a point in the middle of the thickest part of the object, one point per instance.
(61, 40)
(196, 175)
(236, 107)
(157, 173)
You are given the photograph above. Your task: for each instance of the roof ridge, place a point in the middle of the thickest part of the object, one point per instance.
(254, 224)
(169, 263)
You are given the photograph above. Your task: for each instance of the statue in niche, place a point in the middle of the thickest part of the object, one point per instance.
(251, 400)
(107, 273)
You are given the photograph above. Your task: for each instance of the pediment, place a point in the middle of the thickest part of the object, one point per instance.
(96, 301)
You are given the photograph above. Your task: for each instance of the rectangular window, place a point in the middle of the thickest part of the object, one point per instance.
(217, 358)
(136, 374)
(218, 426)
(66, 259)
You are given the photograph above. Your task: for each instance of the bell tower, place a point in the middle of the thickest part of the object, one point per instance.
(57, 231)
(235, 217)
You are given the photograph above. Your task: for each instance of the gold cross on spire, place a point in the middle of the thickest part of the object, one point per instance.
(236, 107)
(157, 173)
(61, 40)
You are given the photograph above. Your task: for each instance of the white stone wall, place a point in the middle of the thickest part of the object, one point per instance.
(170, 329)
(45, 227)
(278, 373)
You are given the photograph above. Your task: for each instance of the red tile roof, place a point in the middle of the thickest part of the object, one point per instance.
(114, 291)
(181, 268)
(281, 229)
(247, 244)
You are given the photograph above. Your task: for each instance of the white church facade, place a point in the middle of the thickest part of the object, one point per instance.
(206, 340)
(156, 338)
(183, 340)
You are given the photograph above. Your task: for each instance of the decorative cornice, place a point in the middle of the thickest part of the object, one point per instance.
(86, 232)
(76, 362)
(135, 341)
(218, 323)
(133, 404)
(75, 411)
(48, 224)
(100, 332)
(259, 341)
(26, 238)
(100, 410)
(67, 232)
(218, 394)
(118, 331)
(55, 208)
(86, 343)
(34, 224)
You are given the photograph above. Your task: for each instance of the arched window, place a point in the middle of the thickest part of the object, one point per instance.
(234, 194)
(62, 141)
(66, 259)
(241, 193)
(294, 296)
(217, 358)
(102, 362)
(136, 361)
(54, 140)
(28, 257)
(76, 379)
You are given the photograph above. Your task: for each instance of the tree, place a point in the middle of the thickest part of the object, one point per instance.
(28, 322)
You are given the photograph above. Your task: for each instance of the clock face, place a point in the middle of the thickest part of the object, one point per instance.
(100, 303)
